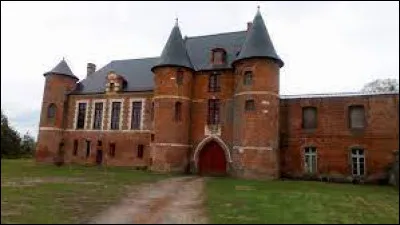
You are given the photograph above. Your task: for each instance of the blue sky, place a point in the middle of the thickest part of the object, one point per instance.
(326, 46)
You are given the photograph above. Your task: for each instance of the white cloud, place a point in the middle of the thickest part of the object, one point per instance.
(326, 46)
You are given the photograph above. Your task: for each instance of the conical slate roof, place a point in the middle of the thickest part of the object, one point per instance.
(174, 53)
(258, 43)
(63, 69)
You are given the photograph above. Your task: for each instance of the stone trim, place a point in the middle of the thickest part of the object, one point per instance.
(51, 129)
(171, 144)
(124, 131)
(121, 115)
(142, 113)
(94, 101)
(74, 125)
(171, 97)
(257, 93)
(252, 147)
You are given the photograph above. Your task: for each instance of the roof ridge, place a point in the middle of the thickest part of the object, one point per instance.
(207, 35)
(339, 94)
(155, 57)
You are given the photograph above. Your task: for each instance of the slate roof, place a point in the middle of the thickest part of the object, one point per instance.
(258, 43)
(138, 74)
(63, 69)
(338, 94)
(174, 52)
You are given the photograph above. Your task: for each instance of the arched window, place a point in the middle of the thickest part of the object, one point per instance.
(178, 113)
(51, 111)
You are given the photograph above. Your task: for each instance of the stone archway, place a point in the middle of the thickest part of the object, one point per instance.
(214, 155)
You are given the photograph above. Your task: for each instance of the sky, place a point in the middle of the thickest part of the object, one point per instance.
(326, 46)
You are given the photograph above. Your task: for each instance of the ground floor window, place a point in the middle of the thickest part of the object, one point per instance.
(75, 147)
(310, 159)
(112, 150)
(357, 162)
(87, 149)
(140, 151)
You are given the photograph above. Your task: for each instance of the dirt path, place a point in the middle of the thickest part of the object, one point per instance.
(174, 200)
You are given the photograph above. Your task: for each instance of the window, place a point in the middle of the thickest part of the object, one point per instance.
(213, 82)
(136, 115)
(213, 111)
(81, 116)
(249, 105)
(115, 114)
(248, 78)
(112, 86)
(178, 111)
(140, 151)
(152, 111)
(357, 162)
(179, 77)
(112, 150)
(87, 149)
(98, 116)
(219, 56)
(152, 137)
(309, 118)
(75, 152)
(310, 160)
(99, 143)
(51, 111)
(356, 117)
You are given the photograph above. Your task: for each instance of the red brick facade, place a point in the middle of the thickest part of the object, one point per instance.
(259, 131)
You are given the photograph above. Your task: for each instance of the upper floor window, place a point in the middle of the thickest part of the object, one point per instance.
(357, 162)
(115, 115)
(249, 105)
(213, 82)
(218, 56)
(178, 111)
(98, 115)
(140, 149)
(179, 77)
(81, 116)
(310, 160)
(51, 111)
(309, 118)
(356, 117)
(213, 111)
(152, 111)
(248, 78)
(136, 115)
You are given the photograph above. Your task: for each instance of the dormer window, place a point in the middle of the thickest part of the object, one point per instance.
(115, 83)
(112, 85)
(218, 56)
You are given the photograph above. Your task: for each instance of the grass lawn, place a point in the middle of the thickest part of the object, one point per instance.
(241, 201)
(33, 193)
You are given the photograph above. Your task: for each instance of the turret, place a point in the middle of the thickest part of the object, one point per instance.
(173, 76)
(58, 82)
(256, 105)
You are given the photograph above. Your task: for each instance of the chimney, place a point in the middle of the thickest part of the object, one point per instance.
(249, 25)
(91, 68)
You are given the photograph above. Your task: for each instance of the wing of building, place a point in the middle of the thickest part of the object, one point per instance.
(211, 105)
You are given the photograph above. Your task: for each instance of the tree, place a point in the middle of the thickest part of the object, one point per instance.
(10, 140)
(381, 85)
(27, 145)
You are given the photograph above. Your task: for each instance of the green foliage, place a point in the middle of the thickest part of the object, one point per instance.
(12, 145)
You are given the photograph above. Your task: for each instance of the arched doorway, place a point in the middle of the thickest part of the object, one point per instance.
(212, 160)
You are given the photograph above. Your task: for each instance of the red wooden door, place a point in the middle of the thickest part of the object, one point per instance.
(212, 160)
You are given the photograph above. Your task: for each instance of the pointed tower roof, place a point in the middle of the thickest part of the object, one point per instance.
(63, 69)
(258, 43)
(174, 53)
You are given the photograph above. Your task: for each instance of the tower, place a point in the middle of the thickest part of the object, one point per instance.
(256, 105)
(173, 76)
(58, 82)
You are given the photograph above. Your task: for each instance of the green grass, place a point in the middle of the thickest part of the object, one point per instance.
(243, 201)
(33, 193)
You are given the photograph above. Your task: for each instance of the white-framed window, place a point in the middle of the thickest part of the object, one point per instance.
(357, 162)
(115, 114)
(98, 109)
(310, 159)
(81, 114)
(136, 113)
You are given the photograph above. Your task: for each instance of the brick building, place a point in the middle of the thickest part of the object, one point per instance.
(211, 105)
